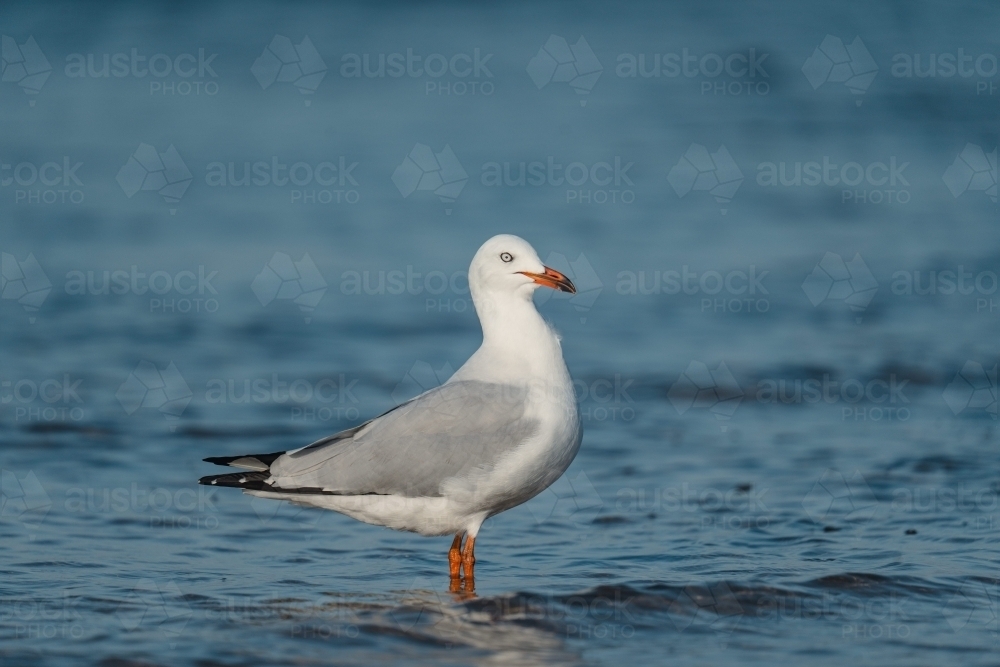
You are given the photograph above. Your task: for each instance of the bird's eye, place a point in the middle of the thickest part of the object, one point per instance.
(507, 257)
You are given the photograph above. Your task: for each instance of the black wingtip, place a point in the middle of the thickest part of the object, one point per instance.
(256, 481)
(220, 460)
(237, 480)
(265, 459)
(211, 480)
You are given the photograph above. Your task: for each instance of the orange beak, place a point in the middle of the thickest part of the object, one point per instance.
(552, 278)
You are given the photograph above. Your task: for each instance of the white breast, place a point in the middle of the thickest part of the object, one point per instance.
(534, 466)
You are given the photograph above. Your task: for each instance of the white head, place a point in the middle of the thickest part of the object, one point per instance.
(517, 342)
(507, 266)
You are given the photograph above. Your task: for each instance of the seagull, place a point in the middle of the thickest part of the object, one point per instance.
(502, 429)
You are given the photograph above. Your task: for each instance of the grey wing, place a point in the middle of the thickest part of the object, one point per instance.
(447, 432)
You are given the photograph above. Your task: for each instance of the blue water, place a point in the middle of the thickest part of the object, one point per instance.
(788, 391)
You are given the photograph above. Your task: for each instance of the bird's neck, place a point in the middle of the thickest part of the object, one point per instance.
(515, 337)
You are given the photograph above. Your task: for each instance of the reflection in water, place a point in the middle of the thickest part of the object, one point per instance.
(511, 639)
(510, 634)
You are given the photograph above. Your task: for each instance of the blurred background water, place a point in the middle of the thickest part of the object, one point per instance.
(788, 384)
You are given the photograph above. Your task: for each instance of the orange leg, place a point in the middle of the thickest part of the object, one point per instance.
(455, 561)
(469, 562)
(455, 557)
